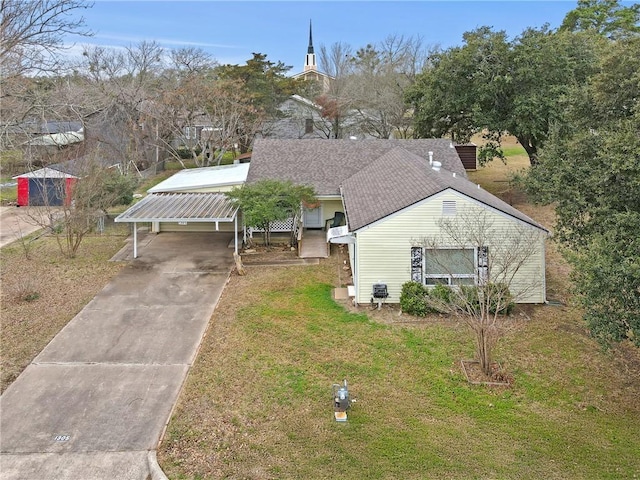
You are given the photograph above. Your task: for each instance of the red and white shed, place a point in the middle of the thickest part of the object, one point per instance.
(46, 186)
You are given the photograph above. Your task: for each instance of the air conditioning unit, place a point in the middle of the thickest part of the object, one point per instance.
(380, 291)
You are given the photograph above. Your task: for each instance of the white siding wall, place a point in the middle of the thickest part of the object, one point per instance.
(383, 250)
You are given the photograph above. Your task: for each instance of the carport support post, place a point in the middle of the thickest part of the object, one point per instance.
(235, 233)
(135, 240)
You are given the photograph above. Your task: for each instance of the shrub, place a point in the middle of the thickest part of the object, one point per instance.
(186, 153)
(497, 292)
(414, 299)
(442, 293)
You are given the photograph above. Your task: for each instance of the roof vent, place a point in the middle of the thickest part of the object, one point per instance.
(430, 158)
(454, 174)
(436, 166)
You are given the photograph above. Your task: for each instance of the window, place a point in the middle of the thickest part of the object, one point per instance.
(449, 266)
(189, 132)
(308, 125)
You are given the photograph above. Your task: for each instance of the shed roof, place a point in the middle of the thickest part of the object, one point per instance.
(57, 139)
(181, 207)
(325, 164)
(400, 179)
(74, 168)
(196, 178)
(45, 172)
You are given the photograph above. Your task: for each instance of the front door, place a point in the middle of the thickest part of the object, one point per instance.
(313, 218)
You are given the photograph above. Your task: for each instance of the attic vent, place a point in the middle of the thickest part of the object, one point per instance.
(448, 207)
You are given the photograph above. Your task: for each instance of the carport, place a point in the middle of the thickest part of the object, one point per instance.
(181, 208)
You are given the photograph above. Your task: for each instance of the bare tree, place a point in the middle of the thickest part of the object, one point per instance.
(187, 87)
(381, 75)
(488, 265)
(72, 207)
(124, 89)
(31, 37)
(32, 33)
(336, 104)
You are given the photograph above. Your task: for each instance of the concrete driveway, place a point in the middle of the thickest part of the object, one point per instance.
(17, 222)
(94, 403)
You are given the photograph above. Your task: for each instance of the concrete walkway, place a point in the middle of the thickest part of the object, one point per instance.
(314, 244)
(94, 403)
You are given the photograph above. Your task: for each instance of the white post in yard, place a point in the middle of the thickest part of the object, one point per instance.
(235, 233)
(135, 240)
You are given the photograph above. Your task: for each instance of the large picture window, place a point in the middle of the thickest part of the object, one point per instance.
(449, 266)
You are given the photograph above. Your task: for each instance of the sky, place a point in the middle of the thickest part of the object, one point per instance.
(230, 31)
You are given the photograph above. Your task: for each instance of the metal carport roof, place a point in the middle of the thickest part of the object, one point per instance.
(181, 207)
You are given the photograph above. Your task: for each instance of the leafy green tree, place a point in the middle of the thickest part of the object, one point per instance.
(493, 86)
(264, 86)
(606, 17)
(590, 169)
(270, 201)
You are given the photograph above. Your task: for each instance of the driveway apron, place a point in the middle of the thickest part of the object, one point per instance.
(95, 401)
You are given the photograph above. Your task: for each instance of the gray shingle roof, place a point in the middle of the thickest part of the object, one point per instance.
(400, 179)
(325, 164)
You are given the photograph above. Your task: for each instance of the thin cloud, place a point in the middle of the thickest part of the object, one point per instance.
(163, 41)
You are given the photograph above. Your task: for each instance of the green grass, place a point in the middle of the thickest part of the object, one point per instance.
(257, 403)
(513, 150)
(8, 194)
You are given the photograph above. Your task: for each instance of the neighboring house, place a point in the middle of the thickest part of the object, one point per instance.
(300, 118)
(52, 141)
(390, 196)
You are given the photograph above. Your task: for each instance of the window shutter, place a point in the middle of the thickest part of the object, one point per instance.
(483, 265)
(416, 264)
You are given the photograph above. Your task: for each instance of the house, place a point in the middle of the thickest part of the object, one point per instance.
(300, 118)
(392, 193)
(52, 141)
(379, 197)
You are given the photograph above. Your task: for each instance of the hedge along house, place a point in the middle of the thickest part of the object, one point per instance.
(192, 200)
(391, 196)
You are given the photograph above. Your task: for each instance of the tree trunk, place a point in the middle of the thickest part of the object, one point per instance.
(532, 150)
(484, 349)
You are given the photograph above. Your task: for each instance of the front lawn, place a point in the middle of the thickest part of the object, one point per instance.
(257, 403)
(42, 291)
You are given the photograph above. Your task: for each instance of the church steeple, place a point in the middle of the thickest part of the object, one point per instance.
(310, 49)
(310, 59)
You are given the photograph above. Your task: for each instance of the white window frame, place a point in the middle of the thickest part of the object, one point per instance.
(480, 268)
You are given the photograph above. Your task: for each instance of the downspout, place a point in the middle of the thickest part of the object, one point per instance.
(354, 267)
